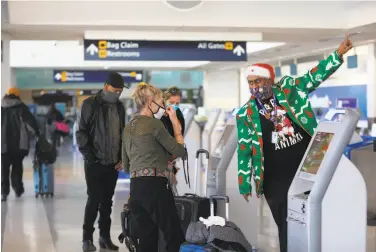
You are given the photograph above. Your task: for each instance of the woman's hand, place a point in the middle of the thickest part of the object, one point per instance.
(172, 114)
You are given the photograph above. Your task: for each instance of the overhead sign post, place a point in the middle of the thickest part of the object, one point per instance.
(142, 50)
(76, 76)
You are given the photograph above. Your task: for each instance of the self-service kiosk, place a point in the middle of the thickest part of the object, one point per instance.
(327, 199)
(209, 128)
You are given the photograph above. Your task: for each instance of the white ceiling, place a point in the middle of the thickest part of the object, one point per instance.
(305, 26)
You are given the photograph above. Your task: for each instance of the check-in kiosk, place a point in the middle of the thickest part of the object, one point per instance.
(327, 199)
(209, 128)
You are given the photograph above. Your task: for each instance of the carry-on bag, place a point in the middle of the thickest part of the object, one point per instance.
(221, 237)
(45, 152)
(191, 207)
(126, 236)
(43, 179)
(192, 247)
(62, 127)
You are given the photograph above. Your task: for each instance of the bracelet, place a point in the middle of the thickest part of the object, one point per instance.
(178, 134)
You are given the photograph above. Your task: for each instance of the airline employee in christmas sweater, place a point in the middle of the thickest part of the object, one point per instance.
(274, 129)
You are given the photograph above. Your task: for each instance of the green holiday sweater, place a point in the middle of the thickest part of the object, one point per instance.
(292, 95)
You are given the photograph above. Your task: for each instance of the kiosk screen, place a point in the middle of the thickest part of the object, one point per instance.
(315, 155)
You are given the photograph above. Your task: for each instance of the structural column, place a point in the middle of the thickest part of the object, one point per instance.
(222, 89)
(7, 73)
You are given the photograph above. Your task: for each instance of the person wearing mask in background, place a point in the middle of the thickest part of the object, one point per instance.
(53, 116)
(17, 123)
(147, 147)
(172, 97)
(274, 129)
(98, 136)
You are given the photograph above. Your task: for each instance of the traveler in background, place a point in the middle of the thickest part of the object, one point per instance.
(147, 147)
(172, 97)
(53, 116)
(98, 136)
(17, 123)
(274, 129)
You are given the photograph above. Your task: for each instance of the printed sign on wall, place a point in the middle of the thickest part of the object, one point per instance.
(91, 76)
(127, 50)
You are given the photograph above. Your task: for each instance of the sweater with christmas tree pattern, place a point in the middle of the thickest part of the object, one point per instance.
(292, 95)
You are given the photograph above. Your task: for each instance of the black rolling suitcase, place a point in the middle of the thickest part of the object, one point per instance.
(191, 207)
(126, 225)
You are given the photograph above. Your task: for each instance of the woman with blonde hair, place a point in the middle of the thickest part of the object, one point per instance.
(147, 148)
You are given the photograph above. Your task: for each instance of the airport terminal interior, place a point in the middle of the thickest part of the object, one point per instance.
(61, 52)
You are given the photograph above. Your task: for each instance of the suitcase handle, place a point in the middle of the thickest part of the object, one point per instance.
(202, 151)
(226, 199)
(191, 194)
(198, 153)
(219, 197)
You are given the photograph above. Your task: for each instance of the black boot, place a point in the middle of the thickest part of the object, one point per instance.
(106, 243)
(4, 198)
(88, 246)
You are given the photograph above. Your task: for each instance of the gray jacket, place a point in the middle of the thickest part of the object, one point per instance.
(17, 126)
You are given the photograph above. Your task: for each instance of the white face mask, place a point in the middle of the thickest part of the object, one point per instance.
(159, 113)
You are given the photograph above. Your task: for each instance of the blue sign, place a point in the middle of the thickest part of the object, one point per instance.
(347, 103)
(127, 50)
(325, 98)
(91, 76)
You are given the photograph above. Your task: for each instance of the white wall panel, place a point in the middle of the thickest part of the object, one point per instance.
(221, 89)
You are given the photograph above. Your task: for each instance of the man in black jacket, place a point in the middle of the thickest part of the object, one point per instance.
(17, 123)
(99, 140)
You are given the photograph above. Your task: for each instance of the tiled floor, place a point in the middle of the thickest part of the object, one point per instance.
(54, 224)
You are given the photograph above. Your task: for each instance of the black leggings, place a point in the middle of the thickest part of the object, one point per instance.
(153, 207)
(276, 195)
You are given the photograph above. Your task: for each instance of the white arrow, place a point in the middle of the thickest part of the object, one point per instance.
(239, 50)
(92, 49)
(58, 76)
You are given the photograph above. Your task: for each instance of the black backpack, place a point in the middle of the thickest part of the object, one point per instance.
(45, 152)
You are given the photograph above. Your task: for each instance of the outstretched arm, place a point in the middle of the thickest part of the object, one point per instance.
(313, 78)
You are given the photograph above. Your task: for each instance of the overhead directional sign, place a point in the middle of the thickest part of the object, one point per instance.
(143, 50)
(91, 76)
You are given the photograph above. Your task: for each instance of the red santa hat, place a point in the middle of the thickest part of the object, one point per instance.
(262, 70)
